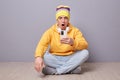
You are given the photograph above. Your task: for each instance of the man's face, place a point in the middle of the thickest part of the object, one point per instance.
(62, 22)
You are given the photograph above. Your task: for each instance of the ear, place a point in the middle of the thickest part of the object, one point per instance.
(68, 24)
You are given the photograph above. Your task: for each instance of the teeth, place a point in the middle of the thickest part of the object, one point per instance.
(62, 24)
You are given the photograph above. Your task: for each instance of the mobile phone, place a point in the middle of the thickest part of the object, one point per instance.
(63, 34)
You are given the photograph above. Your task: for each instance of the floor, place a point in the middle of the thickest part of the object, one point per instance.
(90, 71)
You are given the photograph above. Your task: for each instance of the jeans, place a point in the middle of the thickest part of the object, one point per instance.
(64, 64)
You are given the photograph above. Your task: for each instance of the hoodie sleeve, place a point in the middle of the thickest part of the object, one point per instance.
(43, 44)
(79, 41)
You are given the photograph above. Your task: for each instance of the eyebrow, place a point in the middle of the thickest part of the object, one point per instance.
(63, 17)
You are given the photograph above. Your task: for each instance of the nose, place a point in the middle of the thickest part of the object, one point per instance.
(63, 20)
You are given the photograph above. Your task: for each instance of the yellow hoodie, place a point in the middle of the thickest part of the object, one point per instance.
(52, 37)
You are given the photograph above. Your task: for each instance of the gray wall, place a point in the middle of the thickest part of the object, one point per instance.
(22, 22)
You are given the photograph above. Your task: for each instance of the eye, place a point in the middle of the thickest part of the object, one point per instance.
(59, 17)
(65, 17)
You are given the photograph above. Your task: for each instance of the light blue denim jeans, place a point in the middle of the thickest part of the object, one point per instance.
(64, 64)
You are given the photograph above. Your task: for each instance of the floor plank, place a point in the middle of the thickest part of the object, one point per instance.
(90, 71)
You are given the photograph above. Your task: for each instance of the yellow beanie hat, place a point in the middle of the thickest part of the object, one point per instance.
(63, 11)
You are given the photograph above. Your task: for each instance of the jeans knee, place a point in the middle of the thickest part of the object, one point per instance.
(86, 52)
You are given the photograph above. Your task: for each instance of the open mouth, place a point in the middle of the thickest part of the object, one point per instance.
(63, 24)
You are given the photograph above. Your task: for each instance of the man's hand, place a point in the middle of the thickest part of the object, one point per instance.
(67, 41)
(39, 64)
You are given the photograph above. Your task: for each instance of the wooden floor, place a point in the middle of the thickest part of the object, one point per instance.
(90, 71)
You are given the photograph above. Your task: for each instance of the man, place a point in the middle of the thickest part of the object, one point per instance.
(68, 47)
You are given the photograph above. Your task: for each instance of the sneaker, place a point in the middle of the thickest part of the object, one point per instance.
(49, 71)
(76, 70)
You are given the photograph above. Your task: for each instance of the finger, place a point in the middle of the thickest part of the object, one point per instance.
(37, 68)
(41, 67)
(63, 41)
(64, 38)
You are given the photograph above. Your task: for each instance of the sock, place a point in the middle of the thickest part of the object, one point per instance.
(49, 70)
(76, 70)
